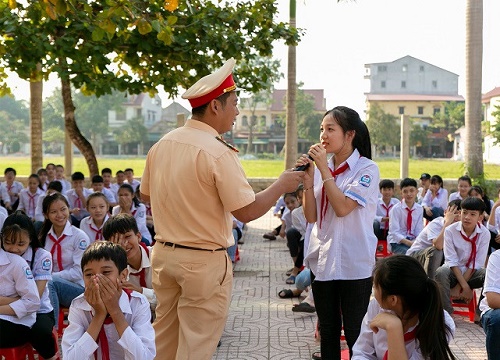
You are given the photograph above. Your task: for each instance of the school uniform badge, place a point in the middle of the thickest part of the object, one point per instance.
(28, 273)
(82, 245)
(365, 180)
(46, 264)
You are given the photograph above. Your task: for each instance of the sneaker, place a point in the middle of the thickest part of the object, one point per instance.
(269, 236)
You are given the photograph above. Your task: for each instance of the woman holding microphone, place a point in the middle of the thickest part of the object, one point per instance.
(340, 197)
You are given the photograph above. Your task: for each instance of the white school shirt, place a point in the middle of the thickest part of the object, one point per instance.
(139, 213)
(287, 218)
(457, 250)
(344, 241)
(497, 221)
(373, 346)
(299, 221)
(73, 200)
(114, 187)
(110, 195)
(73, 246)
(382, 212)
(137, 341)
(147, 291)
(440, 201)
(16, 279)
(491, 280)
(66, 185)
(42, 270)
(16, 188)
(429, 233)
(397, 226)
(279, 204)
(27, 201)
(135, 183)
(455, 196)
(3, 215)
(88, 226)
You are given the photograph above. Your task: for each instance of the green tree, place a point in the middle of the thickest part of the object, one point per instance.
(452, 118)
(419, 136)
(385, 129)
(134, 45)
(16, 109)
(133, 132)
(13, 132)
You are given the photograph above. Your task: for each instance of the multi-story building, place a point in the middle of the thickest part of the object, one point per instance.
(491, 104)
(409, 86)
(268, 118)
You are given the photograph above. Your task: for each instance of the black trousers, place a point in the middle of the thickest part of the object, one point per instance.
(296, 246)
(12, 335)
(41, 335)
(340, 302)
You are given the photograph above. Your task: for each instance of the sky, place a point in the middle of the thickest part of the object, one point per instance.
(340, 38)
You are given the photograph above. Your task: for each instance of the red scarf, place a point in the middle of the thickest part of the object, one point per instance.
(142, 273)
(409, 221)
(98, 233)
(57, 248)
(473, 253)
(31, 204)
(102, 338)
(386, 224)
(324, 197)
(78, 203)
(409, 336)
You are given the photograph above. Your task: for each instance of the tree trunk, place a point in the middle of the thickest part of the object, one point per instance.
(473, 82)
(74, 133)
(291, 113)
(36, 90)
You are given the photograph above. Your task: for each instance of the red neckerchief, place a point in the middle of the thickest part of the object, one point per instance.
(473, 253)
(386, 224)
(133, 212)
(31, 204)
(409, 221)
(78, 202)
(409, 336)
(142, 273)
(148, 210)
(324, 197)
(98, 232)
(57, 247)
(102, 338)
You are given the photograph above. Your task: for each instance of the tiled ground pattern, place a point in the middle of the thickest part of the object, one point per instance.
(262, 326)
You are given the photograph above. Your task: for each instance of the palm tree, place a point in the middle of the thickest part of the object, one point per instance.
(473, 81)
(291, 114)
(36, 89)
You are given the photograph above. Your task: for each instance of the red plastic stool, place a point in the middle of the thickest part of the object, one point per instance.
(17, 353)
(382, 250)
(60, 322)
(470, 307)
(344, 354)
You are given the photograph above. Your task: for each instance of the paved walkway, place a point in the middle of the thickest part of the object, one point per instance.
(262, 326)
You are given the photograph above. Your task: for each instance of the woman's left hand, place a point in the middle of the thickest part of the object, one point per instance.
(385, 321)
(318, 153)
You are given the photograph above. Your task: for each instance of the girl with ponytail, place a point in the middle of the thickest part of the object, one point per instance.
(406, 319)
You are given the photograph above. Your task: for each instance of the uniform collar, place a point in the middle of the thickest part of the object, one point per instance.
(200, 125)
(68, 230)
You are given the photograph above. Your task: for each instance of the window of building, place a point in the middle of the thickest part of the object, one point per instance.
(401, 110)
(420, 110)
(436, 110)
(403, 84)
(434, 84)
(382, 68)
(404, 68)
(138, 112)
(422, 68)
(244, 120)
(382, 84)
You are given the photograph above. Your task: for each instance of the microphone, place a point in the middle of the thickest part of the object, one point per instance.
(303, 167)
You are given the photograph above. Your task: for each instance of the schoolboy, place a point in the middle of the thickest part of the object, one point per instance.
(10, 189)
(107, 174)
(465, 249)
(129, 174)
(425, 182)
(98, 186)
(406, 218)
(385, 204)
(122, 229)
(428, 246)
(464, 185)
(77, 198)
(120, 179)
(106, 318)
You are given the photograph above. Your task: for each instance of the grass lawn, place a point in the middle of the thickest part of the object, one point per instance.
(389, 168)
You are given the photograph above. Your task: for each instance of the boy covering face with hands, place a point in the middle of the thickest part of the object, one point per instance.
(106, 318)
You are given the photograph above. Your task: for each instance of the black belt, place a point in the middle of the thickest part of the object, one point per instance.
(166, 243)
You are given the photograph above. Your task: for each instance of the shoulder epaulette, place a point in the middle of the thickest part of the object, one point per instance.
(226, 143)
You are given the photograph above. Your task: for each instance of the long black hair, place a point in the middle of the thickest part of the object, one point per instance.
(403, 276)
(349, 120)
(17, 222)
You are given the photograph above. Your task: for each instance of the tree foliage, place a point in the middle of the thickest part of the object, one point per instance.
(452, 118)
(16, 109)
(134, 45)
(385, 129)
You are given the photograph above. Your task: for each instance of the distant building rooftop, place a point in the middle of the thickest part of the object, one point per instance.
(490, 94)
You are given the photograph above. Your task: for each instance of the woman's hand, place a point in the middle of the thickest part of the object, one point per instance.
(385, 321)
(318, 153)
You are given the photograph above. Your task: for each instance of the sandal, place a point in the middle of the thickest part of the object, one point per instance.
(316, 355)
(290, 280)
(289, 272)
(287, 294)
(303, 307)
